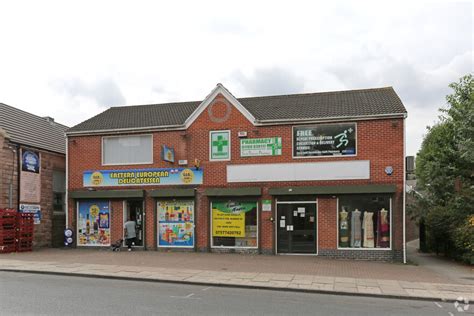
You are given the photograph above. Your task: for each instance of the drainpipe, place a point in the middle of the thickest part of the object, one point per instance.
(10, 189)
(67, 188)
(404, 194)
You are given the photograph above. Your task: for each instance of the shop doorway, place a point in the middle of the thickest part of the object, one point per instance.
(296, 227)
(133, 209)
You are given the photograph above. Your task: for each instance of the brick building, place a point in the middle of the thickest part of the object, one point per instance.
(319, 174)
(32, 171)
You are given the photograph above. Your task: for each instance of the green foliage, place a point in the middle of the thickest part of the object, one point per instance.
(445, 175)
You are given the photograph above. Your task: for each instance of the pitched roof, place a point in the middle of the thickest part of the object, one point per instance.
(267, 109)
(32, 130)
(138, 116)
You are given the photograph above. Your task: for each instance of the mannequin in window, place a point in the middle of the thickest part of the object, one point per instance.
(368, 230)
(344, 229)
(383, 233)
(356, 229)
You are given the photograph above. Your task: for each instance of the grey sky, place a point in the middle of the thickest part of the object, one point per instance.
(71, 60)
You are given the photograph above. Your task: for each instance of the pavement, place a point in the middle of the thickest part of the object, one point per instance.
(288, 273)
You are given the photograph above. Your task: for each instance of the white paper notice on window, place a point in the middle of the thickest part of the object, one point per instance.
(311, 219)
(282, 223)
(301, 209)
(295, 213)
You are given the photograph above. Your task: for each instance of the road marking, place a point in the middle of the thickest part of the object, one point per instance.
(451, 314)
(187, 296)
(439, 305)
(207, 288)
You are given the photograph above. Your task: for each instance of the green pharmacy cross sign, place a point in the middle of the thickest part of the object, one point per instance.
(220, 145)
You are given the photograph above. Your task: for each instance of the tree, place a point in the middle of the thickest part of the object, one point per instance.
(445, 175)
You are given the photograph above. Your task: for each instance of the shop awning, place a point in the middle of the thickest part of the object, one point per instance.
(106, 194)
(335, 189)
(233, 191)
(172, 193)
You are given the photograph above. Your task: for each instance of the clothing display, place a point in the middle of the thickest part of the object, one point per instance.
(344, 229)
(383, 229)
(356, 229)
(368, 230)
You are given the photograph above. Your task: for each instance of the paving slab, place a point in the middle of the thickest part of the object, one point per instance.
(272, 272)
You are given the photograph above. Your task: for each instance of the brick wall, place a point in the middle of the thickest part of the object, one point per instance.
(49, 161)
(380, 141)
(8, 173)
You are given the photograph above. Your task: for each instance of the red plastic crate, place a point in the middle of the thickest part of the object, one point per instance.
(7, 249)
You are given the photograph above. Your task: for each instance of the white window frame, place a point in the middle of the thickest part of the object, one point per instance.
(126, 164)
(318, 157)
(236, 247)
(210, 144)
(362, 248)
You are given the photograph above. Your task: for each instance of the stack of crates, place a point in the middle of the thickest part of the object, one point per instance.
(8, 221)
(24, 228)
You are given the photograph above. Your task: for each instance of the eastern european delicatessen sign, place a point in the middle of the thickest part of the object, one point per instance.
(324, 140)
(142, 177)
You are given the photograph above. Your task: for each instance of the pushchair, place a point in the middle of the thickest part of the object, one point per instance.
(117, 245)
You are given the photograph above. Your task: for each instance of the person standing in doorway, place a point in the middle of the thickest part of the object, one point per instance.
(130, 232)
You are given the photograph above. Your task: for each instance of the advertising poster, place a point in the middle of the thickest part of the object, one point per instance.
(251, 147)
(30, 176)
(324, 140)
(228, 218)
(32, 209)
(134, 177)
(176, 224)
(93, 223)
(220, 145)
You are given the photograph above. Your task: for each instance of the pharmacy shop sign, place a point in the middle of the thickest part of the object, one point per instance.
(260, 147)
(219, 144)
(325, 140)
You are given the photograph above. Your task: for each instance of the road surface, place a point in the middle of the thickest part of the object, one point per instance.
(25, 293)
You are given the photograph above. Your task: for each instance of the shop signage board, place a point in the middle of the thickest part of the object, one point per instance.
(32, 209)
(228, 218)
(142, 177)
(251, 147)
(266, 205)
(167, 153)
(325, 140)
(93, 223)
(30, 176)
(219, 145)
(175, 224)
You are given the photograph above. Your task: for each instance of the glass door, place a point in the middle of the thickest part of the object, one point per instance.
(296, 227)
(134, 211)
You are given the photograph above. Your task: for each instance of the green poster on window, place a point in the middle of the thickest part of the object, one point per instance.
(220, 145)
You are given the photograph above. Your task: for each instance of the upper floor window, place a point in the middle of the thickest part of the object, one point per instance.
(127, 150)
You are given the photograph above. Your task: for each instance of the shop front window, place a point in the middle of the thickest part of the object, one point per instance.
(176, 224)
(93, 223)
(234, 224)
(364, 221)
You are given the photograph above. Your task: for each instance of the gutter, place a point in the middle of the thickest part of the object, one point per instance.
(183, 127)
(126, 130)
(329, 119)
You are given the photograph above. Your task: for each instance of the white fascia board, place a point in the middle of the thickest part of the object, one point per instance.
(219, 89)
